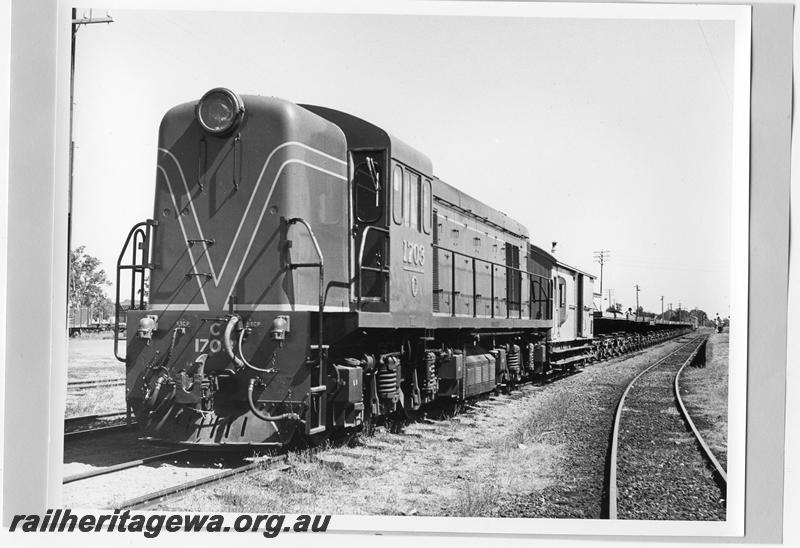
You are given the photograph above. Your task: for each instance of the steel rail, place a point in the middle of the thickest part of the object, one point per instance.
(151, 499)
(68, 420)
(612, 475)
(123, 466)
(97, 383)
(721, 473)
(94, 381)
(99, 431)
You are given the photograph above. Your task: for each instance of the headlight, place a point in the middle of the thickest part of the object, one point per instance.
(219, 111)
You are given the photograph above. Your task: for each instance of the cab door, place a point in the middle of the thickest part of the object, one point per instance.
(370, 230)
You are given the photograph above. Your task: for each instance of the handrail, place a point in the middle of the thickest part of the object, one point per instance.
(136, 232)
(361, 256)
(321, 266)
(437, 246)
(531, 276)
(320, 348)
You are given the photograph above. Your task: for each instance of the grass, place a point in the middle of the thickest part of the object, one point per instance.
(90, 359)
(479, 499)
(705, 391)
(95, 400)
(535, 423)
(431, 468)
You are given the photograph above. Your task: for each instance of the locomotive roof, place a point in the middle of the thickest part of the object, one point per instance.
(363, 134)
(538, 250)
(462, 201)
(565, 266)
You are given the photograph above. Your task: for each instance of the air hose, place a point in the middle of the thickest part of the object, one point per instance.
(248, 364)
(227, 340)
(151, 400)
(262, 416)
(163, 377)
(239, 360)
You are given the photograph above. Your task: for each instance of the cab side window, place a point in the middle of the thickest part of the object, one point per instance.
(412, 200)
(426, 206)
(367, 191)
(397, 195)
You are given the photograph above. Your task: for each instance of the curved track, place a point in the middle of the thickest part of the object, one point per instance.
(722, 474)
(652, 443)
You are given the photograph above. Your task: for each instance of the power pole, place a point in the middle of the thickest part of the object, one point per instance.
(637, 299)
(601, 257)
(76, 24)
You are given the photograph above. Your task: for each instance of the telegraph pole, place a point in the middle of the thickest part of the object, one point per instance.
(76, 24)
(601, 257)
(662, 307)
(637, 299)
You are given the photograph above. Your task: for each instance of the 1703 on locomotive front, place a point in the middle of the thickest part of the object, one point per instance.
(308, 273)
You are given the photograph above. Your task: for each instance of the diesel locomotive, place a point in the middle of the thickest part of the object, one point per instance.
(305, 271)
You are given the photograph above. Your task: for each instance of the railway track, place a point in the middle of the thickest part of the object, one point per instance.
(69, 421)
(124, 466)
(154, 498)
(98, 383)
(125, 478)
(86, 425)
(655, 468)
(99, 431)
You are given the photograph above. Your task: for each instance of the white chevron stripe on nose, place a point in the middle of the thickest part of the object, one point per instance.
(290, 152)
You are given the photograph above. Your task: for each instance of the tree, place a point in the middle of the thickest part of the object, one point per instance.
(702, 317)
(86, 281)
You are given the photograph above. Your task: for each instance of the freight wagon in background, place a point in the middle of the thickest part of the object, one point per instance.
(86, 319)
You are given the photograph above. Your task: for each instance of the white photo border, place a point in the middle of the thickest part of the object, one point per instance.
(740, 15)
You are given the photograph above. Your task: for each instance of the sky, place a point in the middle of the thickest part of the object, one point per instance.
(596, 133)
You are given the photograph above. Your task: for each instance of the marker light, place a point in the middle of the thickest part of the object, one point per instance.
(219, 111)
